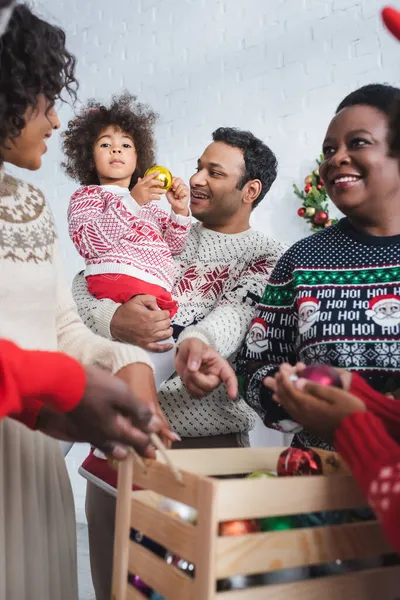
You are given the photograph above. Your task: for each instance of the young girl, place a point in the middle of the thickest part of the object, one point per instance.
(127, 241)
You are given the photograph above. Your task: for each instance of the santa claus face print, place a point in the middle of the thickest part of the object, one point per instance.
(256, 339)
(385, 310)
(308, 313)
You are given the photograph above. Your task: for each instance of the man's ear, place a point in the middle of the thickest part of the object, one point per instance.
(251, 191)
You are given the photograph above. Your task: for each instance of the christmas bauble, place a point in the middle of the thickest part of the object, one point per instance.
(307, 188)
(181, 564)
(328, 223)
(301, 212)
(321, 217)
(310, 211)
(139, 585)
(322, 374)
(238, 527)
(142, 540)
(276, 523)
(308, 180)
(295, 461)
(260, 475)
(183, 511)
(164, 176)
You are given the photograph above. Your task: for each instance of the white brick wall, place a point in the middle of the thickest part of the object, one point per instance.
(276, 67)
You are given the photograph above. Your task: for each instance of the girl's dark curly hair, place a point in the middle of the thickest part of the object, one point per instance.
(125, 113)
(33, 61)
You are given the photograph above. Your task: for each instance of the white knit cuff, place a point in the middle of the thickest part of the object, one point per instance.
(192, 332)
(105, 310)
(126, 354)
(180, 219)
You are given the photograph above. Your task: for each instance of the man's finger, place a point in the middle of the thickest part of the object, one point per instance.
(195, 355)
(229, 378)
(162, 333)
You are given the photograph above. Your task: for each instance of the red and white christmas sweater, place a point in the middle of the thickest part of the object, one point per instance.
(114, 234)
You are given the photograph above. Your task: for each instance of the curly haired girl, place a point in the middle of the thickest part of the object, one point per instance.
(127, 241)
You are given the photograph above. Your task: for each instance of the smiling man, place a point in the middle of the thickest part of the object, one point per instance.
(220, 277)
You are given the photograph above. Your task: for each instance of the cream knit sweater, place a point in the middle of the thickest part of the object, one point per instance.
(37, 524)
(220, 279)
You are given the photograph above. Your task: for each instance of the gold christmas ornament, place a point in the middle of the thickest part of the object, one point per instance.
(310, 211)
(308, 180)
(164, 176)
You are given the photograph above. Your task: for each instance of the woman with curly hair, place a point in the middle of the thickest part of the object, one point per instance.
(37, 521)
(127, 241)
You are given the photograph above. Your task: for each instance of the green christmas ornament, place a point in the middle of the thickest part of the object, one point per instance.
(276, 523)
(260, 475)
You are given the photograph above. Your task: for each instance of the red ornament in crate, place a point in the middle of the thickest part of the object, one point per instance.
(321, 374)
(295, 461)
(239, 527)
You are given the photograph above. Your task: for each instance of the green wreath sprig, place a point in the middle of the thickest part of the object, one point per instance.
(314, 199)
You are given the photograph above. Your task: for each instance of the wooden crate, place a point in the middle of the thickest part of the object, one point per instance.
(217, 557)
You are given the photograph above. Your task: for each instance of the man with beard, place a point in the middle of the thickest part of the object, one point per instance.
(220, 277)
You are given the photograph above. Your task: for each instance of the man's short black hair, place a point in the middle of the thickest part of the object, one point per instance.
(259, 160)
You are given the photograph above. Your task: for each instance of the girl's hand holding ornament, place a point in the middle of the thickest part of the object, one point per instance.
(178, 197)
(147, 189)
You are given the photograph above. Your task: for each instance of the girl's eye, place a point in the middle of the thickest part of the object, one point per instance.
(127, 146)
(105, 145)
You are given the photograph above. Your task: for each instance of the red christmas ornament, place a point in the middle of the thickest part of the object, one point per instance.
(295, 461)
(391, 18)
(301, 212)
(239, 527)
(322, 374)
(320, 217)
(307, 188)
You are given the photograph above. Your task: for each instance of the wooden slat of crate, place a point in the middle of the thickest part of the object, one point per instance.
(231, 461)
(167, 530)
(159, 478)
(377, 584)
(255, 498)
(156, 573)
(134, 594)
(226, 461)
(261, 552)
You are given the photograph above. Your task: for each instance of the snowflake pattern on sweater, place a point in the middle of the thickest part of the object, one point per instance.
(333, 298)
(116, 235)
(219, 282)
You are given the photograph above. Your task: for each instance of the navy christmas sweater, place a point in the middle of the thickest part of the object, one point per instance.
(333, 298)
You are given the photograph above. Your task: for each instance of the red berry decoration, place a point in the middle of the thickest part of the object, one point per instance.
(301, 212)
(322, 374)
(320, 217)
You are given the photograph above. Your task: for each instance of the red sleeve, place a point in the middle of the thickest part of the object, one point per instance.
(29, 414)
(374, 459)
(387, 409)
(30, 378)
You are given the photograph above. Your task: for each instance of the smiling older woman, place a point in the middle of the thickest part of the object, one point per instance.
(334, 297)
